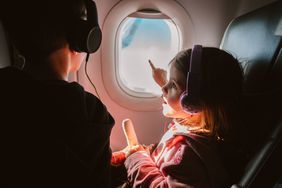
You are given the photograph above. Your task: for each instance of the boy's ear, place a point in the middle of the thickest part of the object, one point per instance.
(73, 52)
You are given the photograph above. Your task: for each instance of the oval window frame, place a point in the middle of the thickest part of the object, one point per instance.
(110, 28)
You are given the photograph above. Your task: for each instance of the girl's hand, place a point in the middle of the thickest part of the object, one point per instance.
(119, 157)
(158, 74)
(132, 149)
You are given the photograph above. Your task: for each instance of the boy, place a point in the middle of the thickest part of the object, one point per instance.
(55, 134)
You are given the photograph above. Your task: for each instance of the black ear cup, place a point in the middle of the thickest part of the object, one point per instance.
(86, 35)
(190, 104)
(93, 40)
(191, 98)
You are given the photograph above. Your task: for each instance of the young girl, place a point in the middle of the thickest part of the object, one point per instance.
(188, 153)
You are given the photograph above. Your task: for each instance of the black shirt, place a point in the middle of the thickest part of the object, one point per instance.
(53, 134)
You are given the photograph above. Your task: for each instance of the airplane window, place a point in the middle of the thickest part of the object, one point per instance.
(153, 36)
(133, 33)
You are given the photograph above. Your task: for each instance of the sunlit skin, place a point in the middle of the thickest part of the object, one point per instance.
(172, 91)
(173, 84)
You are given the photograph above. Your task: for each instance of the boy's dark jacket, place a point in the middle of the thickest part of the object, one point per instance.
(53, 134)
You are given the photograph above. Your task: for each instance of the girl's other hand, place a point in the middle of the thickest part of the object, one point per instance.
(132, 149)
(119, 157)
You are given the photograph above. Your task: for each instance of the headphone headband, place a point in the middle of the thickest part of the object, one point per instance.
(190, 99)
(194, 74)
(94, 37)
(86, 35)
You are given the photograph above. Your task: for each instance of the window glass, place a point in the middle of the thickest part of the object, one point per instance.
(138, 40)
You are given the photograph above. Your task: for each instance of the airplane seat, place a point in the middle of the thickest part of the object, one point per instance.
(255, 40)
(9, 55)
(4, 48)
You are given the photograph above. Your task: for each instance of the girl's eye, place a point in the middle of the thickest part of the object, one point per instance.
(172, 85)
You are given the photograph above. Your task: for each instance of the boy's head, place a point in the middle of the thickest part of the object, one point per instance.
(38, 28)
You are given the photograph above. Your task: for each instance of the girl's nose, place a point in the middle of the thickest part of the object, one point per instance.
(164, 90)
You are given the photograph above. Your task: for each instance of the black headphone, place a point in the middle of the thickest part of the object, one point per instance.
(191, 97)
(86, 36)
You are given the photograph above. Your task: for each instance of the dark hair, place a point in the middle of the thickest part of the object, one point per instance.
(222, 86)
(37, 28)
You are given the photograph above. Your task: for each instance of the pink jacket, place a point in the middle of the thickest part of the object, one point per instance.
(181, 159)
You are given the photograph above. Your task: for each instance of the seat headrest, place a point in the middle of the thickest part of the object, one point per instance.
(255, 40)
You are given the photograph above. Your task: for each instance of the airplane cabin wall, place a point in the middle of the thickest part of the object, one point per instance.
(210, 19)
